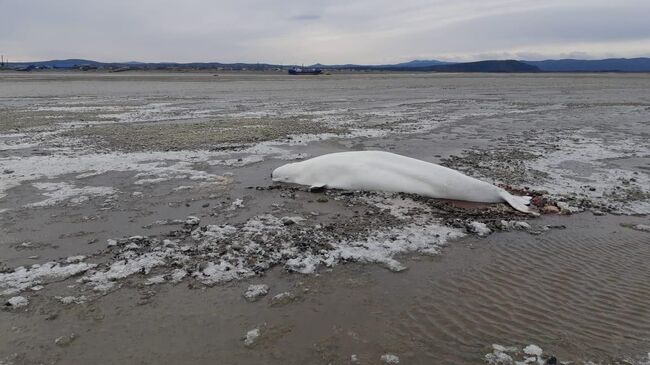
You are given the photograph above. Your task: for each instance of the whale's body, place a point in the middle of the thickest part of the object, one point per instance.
(385, 171)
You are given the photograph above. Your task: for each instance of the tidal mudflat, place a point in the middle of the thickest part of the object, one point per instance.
(140, 224)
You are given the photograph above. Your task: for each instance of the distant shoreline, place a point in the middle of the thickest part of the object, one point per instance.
(623, 65)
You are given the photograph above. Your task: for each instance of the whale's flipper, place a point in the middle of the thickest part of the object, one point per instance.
(520, 203)
(317, 188)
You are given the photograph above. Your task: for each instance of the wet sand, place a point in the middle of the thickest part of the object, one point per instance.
(575, 284)
(579, 293)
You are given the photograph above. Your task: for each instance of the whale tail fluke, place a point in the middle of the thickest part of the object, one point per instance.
(520, 203)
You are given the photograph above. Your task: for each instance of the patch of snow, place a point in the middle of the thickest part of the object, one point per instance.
(641, 227)
(479, 228)
(256, 291)
(105, 280)
(598, 173)
(381, 246)
(533, 350)
(59, 192)
(73, 259)
(178, 275)
(236, 204)
(389, 359)
(17, 302)
(304, 264)
(154, 280)
(516, 225)
(25, 277)
(223, 271)
(72, 299)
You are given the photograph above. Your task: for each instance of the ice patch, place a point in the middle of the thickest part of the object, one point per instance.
(606, 184)
(533, 350)
(381, 246)
(389, 359)
(23, 278)
(60, 192)
(72, 299)
(256, 291)
(17, 302)
(105, 280)
(150, 167)
(479, 228)
(154, 280)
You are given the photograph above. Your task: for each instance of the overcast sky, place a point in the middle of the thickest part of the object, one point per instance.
(325, 31)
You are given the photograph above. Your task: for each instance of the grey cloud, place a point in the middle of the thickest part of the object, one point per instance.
(306, 17)
(308, 31)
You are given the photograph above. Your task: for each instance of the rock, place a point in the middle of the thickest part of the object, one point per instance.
(192, 221)
(598, 212)
(566, 209)
(639, 227)
(389, 359)
(17, 302)
(316, 189)
(283, 299)
(8, 171)
(551, 361)
(251, 337)
(65, 340)
(550, 209)
(256, 291)
(322, 200)
(287, 221)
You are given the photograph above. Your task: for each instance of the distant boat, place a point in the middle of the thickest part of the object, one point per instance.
(304, 71)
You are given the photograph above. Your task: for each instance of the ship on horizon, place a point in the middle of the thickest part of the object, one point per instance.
(305, 71)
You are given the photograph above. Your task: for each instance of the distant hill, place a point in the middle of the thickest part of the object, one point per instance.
(421, 63)
(71, 63)
(611, 64)
(485, 66)
(439, 66)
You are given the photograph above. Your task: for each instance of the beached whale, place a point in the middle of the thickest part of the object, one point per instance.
(385, 171)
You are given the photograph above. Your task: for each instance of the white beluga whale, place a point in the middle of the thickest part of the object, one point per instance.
(385, 171)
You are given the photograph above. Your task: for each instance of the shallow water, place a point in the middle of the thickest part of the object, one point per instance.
(578, 292)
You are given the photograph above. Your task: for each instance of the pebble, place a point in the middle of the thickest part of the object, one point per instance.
(283, 299)
(251, 337)
(550, 209)
(65, 340)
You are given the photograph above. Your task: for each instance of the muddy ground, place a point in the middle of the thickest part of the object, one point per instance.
(136, 210)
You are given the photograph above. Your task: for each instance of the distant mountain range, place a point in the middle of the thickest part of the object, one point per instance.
(564, 65)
